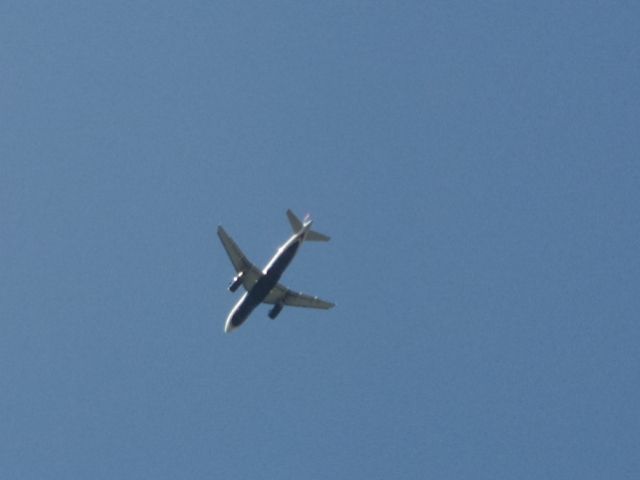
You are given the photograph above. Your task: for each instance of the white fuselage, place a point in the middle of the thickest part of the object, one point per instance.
(271, 275)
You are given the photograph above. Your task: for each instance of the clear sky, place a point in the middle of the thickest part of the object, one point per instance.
(476, 164)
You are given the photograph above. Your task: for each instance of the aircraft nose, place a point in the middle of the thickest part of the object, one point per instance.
(228, 326)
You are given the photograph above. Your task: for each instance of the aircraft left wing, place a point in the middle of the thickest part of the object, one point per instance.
(250, 273)
(281, 294)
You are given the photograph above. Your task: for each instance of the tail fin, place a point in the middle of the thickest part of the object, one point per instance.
(297, 225)
(295, 222)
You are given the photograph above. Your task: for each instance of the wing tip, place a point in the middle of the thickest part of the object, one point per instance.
(325, 304)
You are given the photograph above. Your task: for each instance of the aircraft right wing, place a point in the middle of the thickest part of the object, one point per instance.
(250, 273)
(281, 294)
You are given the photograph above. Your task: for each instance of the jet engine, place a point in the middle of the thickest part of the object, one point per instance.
(277, 308)
(236, 282)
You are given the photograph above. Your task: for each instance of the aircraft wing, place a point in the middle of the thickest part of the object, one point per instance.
(281, 294)
(251, 274)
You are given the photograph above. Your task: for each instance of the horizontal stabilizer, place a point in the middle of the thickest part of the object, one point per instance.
(313, 236)
(296, 224)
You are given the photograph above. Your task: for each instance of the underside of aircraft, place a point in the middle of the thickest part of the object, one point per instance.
(262, 285)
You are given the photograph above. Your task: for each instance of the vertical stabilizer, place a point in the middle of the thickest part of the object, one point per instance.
(310, 235)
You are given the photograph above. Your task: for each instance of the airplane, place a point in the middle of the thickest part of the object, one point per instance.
(262, 286)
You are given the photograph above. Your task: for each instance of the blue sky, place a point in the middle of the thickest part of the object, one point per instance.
(476, 164)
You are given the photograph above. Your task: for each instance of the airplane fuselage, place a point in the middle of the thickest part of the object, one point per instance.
(272, 273)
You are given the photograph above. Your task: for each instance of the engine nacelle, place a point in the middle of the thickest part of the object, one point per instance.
(277, 308)
(236, 282)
